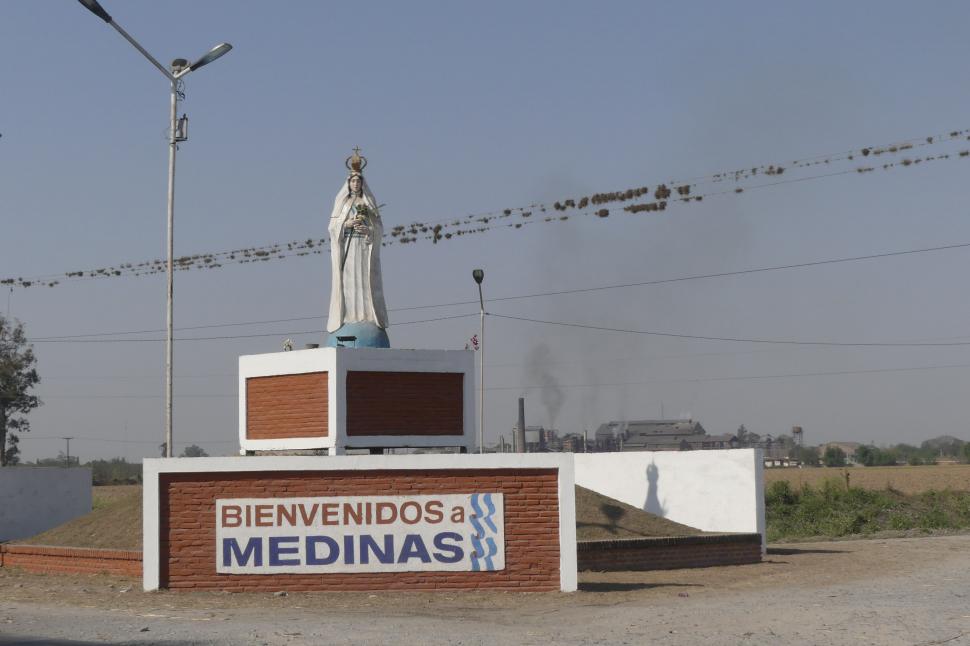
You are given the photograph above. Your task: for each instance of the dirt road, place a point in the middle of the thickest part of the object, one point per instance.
(885, 592)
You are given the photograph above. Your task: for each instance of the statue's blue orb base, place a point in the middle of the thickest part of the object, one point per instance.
(367, 334)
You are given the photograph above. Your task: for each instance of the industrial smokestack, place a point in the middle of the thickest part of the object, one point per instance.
(520, 428)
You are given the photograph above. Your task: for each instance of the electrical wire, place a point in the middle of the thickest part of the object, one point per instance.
(579, 290)
(790, 375)
(399, 233)
(723, 274)
(832, 373)
(601, 328)
(227, 336)
(31, 436)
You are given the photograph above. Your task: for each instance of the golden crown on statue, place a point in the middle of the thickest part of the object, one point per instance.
(356, 162)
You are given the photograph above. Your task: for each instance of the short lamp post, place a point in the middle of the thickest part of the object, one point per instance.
(178, 131)
(479, 276)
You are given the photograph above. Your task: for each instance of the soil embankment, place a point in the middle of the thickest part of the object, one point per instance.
(115, 522)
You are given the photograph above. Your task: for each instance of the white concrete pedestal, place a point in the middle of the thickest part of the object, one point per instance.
(335, 399)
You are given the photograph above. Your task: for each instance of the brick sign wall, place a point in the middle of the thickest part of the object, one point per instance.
(187, 510)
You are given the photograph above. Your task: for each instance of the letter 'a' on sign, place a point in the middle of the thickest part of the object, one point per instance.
(427, 533)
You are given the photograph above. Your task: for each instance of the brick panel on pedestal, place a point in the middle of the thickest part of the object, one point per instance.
(287, 406)
(187, 503)
(404, 403)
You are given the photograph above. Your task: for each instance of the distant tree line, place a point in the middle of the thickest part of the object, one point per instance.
(929, 452)
(944, 447)
(103, 472)
(113, 471)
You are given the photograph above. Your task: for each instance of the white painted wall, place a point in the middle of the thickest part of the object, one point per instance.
(715, 491)
(35, 499)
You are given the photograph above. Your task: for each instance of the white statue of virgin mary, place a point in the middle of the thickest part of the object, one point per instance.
(358, 316)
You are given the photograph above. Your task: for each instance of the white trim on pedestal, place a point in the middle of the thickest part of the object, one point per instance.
(150, 565)
(759, 493)
(568, 566)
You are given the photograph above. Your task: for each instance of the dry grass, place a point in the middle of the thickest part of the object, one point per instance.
(114, 522)
(904, 479)
(600, 518)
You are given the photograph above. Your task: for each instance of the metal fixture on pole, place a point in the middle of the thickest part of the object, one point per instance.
(479, 276)
(178, 131)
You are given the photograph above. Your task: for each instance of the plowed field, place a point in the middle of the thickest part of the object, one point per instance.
(905, 479)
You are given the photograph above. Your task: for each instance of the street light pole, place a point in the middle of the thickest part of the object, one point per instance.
(479, 276)
(180, 67)
(170, 274)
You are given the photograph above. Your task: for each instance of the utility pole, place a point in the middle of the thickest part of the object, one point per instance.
(68, 440)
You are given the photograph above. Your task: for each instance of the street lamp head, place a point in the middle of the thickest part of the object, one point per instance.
(94, 7)
(478, 275)
(219, 50)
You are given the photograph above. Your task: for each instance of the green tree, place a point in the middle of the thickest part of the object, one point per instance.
(865, 455)
(12, 456)
(194, 451)
(834, 457)
(742, 436)
(59, 461)
(114, 471)
(807, 455)
(18, 375)
(944, 445)
(872, 456)
(785, 441)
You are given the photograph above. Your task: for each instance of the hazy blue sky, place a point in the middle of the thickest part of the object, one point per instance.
(463, 108)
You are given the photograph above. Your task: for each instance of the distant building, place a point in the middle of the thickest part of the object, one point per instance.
(781, 462)
(659, 435)
(572, 443)
(539, 439)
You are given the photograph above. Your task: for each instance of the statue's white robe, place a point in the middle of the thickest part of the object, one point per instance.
(356, 292)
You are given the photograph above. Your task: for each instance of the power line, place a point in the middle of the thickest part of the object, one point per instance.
(31, 436)
(579, 290)
(698, 337)
(180, 329)
(899, 146)
(227, 336)
(723, 274)
(214, 375)
(190, 396)
(481, 222)
(832, 373)
(790, 375)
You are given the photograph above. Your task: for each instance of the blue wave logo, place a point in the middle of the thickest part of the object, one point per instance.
(484, 546)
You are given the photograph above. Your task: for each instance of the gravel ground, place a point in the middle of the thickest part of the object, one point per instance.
(886, 592)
